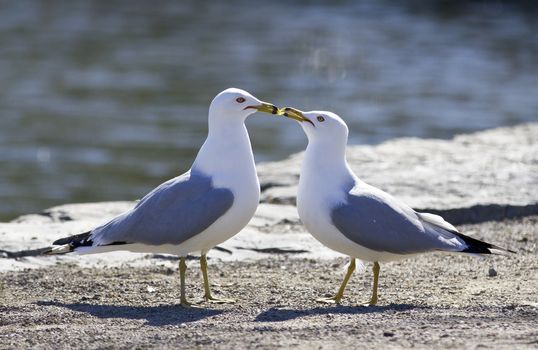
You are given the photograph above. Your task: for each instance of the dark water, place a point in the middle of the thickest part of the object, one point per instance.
(103, 100)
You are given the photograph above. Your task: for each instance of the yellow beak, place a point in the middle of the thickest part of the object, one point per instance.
(287, 112)
(296, 114)
(266, 108)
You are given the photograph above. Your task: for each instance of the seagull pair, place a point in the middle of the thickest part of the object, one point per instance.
(217, 197)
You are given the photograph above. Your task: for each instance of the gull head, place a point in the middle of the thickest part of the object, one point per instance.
(319, 126)
(235, 104)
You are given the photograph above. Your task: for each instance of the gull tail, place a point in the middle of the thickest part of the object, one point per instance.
(473, 245)
(69, 244)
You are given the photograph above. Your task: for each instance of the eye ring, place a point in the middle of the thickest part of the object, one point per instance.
(240, 100)
(320, 118)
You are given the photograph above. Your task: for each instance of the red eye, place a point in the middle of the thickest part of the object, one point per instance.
(240, 100)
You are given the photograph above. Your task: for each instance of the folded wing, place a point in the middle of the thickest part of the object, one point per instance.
(171, 214)
(378, 221)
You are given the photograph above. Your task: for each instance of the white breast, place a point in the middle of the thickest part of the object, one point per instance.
(319, 191)
(230, 163)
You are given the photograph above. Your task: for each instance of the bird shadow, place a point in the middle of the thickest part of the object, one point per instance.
(279, 315)
(161, 315)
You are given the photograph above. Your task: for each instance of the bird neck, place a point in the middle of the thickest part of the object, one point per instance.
(329, 155)
(226, 154)
(325, 168)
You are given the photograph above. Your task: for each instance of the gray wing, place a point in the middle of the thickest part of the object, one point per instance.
(170, 214)
(378, 221)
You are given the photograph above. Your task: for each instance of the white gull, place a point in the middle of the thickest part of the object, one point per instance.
(193, 212)
(360, 220)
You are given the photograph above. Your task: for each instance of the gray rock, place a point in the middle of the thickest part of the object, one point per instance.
(101, 211)
(489, 175)
(271, 214)
(492, 272)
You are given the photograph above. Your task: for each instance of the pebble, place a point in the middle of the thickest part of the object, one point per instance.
(492, 272)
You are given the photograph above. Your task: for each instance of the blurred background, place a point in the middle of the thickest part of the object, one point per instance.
(103, 100)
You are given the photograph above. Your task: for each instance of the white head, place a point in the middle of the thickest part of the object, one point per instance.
(227, 148)
(321, 127)
(236, 105)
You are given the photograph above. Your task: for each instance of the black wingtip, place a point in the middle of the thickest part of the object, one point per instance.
(476, 246)
(80, 240)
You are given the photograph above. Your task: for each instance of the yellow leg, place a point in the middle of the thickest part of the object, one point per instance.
(182, 270)
(338, 297)
(373, 300)
(207, 290)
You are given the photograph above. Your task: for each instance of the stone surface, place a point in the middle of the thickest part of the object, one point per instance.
(488, 175)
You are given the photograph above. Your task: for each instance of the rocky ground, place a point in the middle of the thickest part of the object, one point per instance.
(276, 269)
(435, 300)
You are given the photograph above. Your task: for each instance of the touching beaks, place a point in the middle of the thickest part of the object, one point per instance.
(288, 112)
(296, 114)
(266, 108)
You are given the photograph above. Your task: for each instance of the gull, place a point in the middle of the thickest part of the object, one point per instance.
(197, 210)
(357, 219)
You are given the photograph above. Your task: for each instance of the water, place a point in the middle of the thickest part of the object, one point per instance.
(103, 100)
